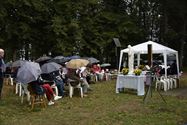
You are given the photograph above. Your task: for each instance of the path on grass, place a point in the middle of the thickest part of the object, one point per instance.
(179, 92)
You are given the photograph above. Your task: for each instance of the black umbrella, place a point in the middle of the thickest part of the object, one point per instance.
(43, 59)
(58, 59)
(50, 67)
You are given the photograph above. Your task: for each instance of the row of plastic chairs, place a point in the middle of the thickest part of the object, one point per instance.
(165, 83)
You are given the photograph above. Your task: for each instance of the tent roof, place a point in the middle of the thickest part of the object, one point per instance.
(156, 48)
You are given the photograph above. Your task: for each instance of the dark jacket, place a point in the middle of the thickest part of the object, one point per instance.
(37, 87)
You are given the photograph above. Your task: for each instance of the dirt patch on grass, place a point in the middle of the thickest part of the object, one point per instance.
(179, 92)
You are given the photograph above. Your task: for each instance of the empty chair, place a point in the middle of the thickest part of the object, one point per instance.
(18, 89)
(161, 83)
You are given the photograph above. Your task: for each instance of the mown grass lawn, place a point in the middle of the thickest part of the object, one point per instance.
(102, 107)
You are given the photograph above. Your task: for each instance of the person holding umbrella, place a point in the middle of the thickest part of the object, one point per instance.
(30, 73)
(53, 71)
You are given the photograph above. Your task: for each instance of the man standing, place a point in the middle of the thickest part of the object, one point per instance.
(1, 70)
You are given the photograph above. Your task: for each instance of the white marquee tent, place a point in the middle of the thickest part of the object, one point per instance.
(156, 49)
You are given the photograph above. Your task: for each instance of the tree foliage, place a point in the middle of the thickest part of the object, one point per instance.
(87, 27)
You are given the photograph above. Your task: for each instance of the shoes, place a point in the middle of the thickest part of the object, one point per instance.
(57, 97)
(51, 103)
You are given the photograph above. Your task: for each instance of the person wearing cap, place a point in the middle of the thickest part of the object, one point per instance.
(2, 64)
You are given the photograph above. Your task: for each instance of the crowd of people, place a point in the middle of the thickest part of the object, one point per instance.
(84, 75)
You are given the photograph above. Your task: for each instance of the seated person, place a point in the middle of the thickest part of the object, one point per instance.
(58, 82)
(40, 88)
(71, 75)
(96, 69)
(82, 73)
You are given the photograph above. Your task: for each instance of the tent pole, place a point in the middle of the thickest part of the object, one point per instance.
(138, 60)
(177, 61)
(165, 63)
(120, 59)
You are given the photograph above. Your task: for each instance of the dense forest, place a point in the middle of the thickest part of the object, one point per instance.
(87, 27)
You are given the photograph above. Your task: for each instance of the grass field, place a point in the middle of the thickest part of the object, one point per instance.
(102, 107)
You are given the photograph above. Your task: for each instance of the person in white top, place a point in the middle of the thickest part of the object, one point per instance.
(82, 72)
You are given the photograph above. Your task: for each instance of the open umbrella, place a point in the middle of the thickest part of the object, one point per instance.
(28, 72)
(91, 60)
(43, 59)
(77, 63)
(59, 59)
(105, 65)
(18, 63)
(75, 57)
(50, 67)
(9, 64)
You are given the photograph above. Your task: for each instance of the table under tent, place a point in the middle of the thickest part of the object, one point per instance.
(156, 49)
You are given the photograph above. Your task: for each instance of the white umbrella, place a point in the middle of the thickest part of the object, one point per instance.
(28, 72)
(18, 63)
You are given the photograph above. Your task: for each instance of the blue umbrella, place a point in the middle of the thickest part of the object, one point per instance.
(75, 57)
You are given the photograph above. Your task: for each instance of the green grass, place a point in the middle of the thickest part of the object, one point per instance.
(102, 107)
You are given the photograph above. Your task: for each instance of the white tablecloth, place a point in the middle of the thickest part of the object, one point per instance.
(131, 82)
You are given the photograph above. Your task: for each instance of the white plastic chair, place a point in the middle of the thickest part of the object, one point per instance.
(71, 89)
(161, 83)
(54, 87)
(18, 89)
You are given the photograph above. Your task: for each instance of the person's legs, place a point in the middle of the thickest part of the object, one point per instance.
(60, 86)
(49, 91)
(60, 89)
(85, 85)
